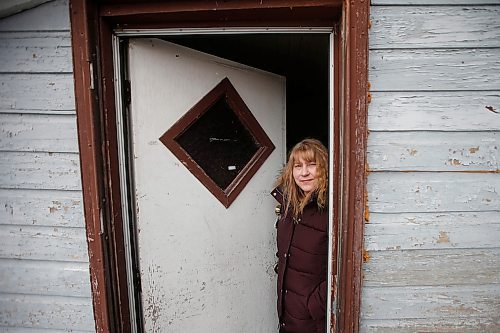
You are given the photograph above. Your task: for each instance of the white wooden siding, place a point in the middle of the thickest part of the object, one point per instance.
(35, 133)
(432, 238)
(434, 111)
(44, 270)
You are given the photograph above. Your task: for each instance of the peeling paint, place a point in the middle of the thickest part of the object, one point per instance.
(492, 109)
(366, 256)
(473, 150)
(443, 237)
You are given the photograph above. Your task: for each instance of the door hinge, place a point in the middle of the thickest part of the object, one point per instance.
(127, 95)
(137, 281)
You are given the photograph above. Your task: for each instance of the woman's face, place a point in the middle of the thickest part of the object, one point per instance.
(305, 175)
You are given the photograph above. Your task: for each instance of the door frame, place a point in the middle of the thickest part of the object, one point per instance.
(93, 23)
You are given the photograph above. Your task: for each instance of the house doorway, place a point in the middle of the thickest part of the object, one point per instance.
(304, 61)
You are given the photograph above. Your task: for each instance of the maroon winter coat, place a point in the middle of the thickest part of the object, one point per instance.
(302, 269)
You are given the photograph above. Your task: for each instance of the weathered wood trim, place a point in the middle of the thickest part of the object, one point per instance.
(177, 6)
(433, 2)
(354, 107)
(84, 44)
(337, 178)
(119, 309)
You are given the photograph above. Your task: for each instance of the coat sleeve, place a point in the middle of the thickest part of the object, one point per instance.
(316, 302)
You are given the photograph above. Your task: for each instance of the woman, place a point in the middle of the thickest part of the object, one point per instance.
(302, 239)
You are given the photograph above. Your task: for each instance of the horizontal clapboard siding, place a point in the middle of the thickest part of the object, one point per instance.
(44, 269)
(399, 192)
(432, 236)
(46, 312)
(435, 69)
(399, 268)
(25, 52)
(35, 133)
(434, 151)
(41, 207)
(5, 329)
(56, 278)
(442, 325)
(38, 93)
(56, 171)
(43, 243)
(434, 27)
(459, 230)
(51, 16)
(432, 302)
(434, 111)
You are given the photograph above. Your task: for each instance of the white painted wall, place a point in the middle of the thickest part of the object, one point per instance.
(433, 235)
(44, 277)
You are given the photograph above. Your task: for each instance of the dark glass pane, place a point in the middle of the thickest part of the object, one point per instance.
(219, 143)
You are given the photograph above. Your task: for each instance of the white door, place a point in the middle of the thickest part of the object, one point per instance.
(203, 267)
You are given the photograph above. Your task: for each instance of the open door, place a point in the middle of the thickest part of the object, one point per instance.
(205, 239)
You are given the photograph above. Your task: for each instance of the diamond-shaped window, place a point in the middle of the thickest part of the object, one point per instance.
(220, 142)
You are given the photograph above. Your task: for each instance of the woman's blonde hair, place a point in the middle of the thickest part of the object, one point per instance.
(311, 150)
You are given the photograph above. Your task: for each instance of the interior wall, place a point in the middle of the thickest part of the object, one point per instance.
(302, 58)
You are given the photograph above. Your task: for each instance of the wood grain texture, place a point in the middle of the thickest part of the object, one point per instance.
(438, 325)
(434, 151)
(435, 27)
(46, 312)
(53, 15)
(50, 278)
(477, 234)
(435, 69)
(42, 207)
(50, 171)
(47, 92)
(434, 111)
(432, 303)
(43, 243)
(35, 52)
(445, 267)
(432, 237)
(398, 192)
(38, 133)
